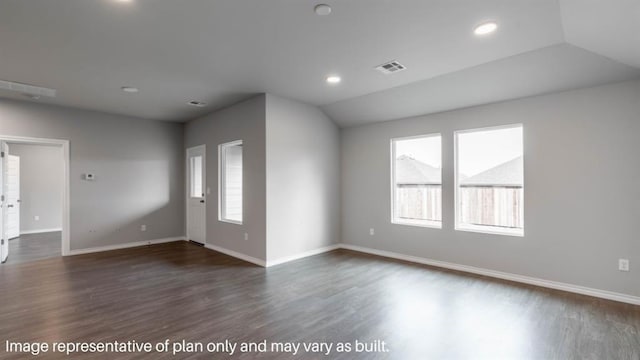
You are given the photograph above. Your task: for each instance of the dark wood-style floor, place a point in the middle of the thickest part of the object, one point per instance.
(33, 247)
(181, 291)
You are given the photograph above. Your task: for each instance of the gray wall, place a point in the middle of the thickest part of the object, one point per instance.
(581, 188)
(139, 166)
(303, 174)
(244, 121)
(41, 184)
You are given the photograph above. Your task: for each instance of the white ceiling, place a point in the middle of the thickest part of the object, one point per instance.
(224, 51)
(610, 28)
(551, 69)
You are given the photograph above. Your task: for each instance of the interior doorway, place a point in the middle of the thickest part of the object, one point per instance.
(196, 197)
(34, 195)
(13, 196)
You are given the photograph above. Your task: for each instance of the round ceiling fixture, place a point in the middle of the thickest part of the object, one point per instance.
(130, 89)
(486, 28)
(333, 79)
(322, 9)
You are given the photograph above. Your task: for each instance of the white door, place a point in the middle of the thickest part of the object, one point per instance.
(13, 197)
(4, 241)
(196, 207)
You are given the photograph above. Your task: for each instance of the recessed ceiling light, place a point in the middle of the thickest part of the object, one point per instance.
(485, 28)
(130, 89)
(197, 103)
(322, 9)
(333, 79)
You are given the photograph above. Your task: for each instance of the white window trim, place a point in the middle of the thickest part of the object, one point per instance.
(221, 182)
(492, 230)
(418, 223)
(483, 229)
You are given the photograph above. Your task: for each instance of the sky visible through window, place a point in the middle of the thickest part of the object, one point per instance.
(426, 150)
(479, 151)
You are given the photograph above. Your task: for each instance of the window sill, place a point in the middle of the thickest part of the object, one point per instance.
(230, 221)
(418, 223)
(490, 230)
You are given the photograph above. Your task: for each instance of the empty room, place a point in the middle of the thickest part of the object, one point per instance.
(296, 179)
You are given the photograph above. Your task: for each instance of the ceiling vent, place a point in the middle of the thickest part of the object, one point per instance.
(391, 67)
(26, 89)
(197, 103)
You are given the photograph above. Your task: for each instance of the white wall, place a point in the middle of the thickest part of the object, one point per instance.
(303, 174)
(581, 188)
(243, 121)
(41, 184)
(139, 165)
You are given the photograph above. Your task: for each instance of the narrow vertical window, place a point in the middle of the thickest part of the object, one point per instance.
(417, 181)
(230, 182)
(490, 180)
(196, 177)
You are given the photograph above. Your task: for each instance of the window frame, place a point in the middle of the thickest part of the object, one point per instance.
(222, 182)
(484, 229)
(418, 223)
(192, 178)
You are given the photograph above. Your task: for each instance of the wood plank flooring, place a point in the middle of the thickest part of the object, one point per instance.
(33, 247)
(181, 291)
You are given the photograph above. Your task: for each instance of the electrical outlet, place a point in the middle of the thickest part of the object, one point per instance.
(36, 218)
(143, 227)
(372, 231)
(246, 236)
(623, 264)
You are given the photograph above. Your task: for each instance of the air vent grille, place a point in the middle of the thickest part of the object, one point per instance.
(197, 103)
(390, 67)
(27, 89)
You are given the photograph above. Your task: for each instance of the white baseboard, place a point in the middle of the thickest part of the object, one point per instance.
(236, 254)
(604, 294)
(124, 246)
(302, 255)
(28, 232)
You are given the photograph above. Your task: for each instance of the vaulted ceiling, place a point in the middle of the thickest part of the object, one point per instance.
(220, 52)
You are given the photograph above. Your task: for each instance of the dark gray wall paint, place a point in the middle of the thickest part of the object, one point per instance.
(244, 121)
(303, 174)
(139, 166)
(41, 184)
(581, 191)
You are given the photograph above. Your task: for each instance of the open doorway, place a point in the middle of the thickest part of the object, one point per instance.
(35, 204)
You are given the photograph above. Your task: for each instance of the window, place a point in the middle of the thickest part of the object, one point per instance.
(490, 180)
(230, 182)
(196, 177)
(416, 192)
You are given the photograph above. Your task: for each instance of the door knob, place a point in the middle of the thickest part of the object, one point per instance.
(202, 201)
(9, 205)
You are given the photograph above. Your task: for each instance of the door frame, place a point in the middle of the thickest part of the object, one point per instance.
(9, 157)
(187, 192)
(66, 188)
